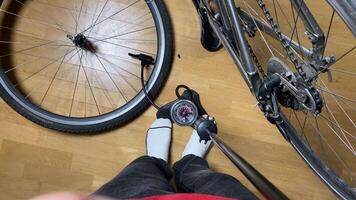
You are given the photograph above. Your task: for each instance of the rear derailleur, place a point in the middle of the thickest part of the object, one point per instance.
(283, 87)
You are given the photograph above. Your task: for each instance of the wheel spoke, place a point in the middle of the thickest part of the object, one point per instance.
(90, 87)
(126, 47)
(302, 126)
(334, 124)
(118, 12)
(26, 49)
(104, 89)
(295, 30)
(53, 19)
(129, 40)
(303, 129)
(328, 91)
(101, 11)
(339, 127)
(22, 64)
(123, 77)
(275, 11)
(338, 103)
(40, 84)
(73, 10)
(259, 30)
(344, 55)
(342, 99)
(329, 30)
(78, 19)
(93, 18)
(116, 85)
(343, 71)
(342, 140)
(331, 148)
(43, 68)
(123, 34)
(54, 77)
(76, 84)
(27, 34)
(107, 95)
(130, 60)
(75, 21)
(123, 69)
(284, 14)
(33, 21)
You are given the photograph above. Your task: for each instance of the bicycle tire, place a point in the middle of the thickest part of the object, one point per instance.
(341, 188)
(336, 184)
(116, 118)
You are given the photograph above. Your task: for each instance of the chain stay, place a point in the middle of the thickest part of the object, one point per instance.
(292, 56)
(286, 45)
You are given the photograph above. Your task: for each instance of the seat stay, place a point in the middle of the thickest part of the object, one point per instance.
(347, 12)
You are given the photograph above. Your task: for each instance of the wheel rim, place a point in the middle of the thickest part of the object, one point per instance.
(330, 135)
(95, 78)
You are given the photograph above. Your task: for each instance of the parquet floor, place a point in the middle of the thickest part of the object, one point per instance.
(35, 160)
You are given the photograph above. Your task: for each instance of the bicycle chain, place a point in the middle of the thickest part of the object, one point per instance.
(286, 45)
(257, 63)
(284, 42)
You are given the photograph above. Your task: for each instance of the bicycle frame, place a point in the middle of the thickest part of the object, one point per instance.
(231, 34)
(239, 49)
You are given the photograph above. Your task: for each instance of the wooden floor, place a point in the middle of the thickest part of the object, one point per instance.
(35, 160)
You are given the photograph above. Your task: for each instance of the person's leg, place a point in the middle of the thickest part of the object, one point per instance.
(193, 175)
(148, 175)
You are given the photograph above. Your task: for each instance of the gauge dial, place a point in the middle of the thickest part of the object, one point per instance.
(184, 113)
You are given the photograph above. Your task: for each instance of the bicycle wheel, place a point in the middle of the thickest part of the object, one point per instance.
(66, 66)
(326, 140)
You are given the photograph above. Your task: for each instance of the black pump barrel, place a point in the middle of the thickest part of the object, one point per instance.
(267, 189)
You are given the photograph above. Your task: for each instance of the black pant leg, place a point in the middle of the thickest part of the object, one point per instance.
(193, 175)
(146, 176)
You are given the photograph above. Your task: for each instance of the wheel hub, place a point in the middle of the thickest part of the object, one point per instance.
(82, 42)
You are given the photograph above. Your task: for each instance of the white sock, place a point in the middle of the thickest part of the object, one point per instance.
(195, 147)
(158, 139)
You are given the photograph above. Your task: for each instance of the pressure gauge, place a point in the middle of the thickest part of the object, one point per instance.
(184, 112)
